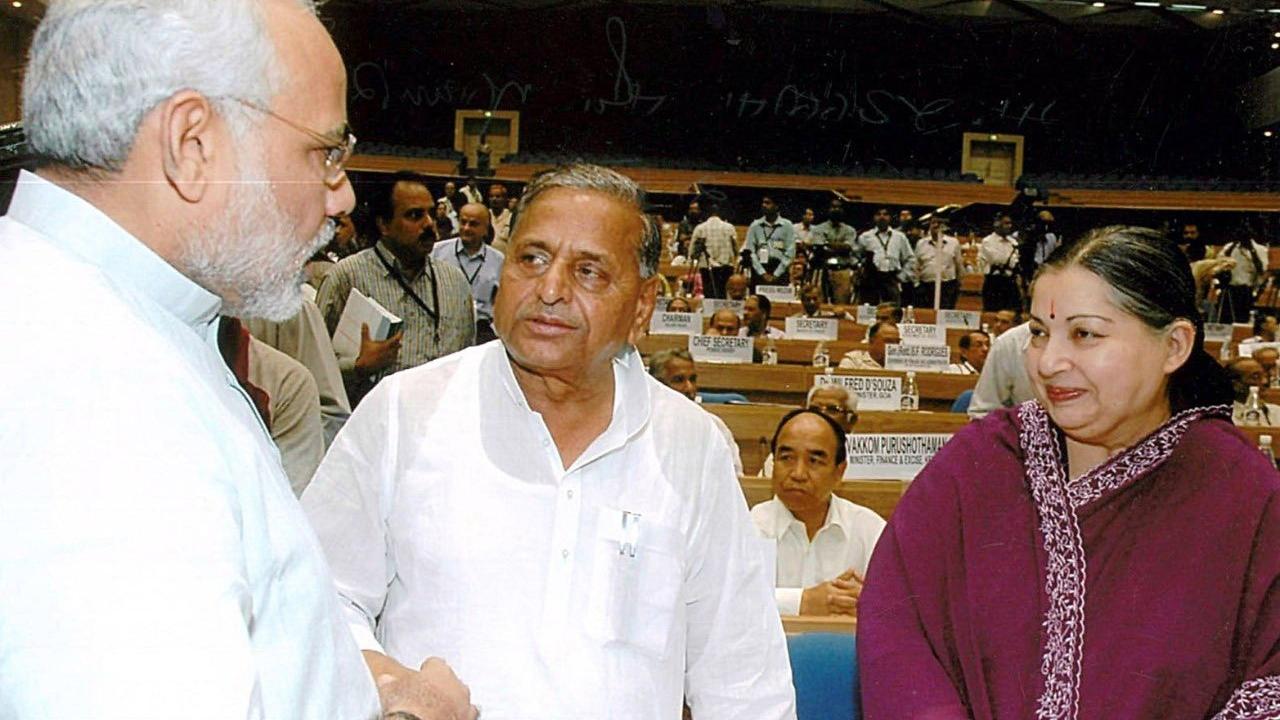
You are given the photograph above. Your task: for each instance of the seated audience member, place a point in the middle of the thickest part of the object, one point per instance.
(1267, 357)
(881, 334)
(1247, 373)
(1005, 319)
(1264, 328)
(888, 312)
(811, 303)
(974, 347)
(755, 317)
(679, 304)
(1003, 381)
(836, 402)
(824, 541)
(724, 322)
(675, 368)
(735, 288)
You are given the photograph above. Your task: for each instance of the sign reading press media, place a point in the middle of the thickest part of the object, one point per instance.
(675, 323)
(720, 349)
(778, 293)
(921, 358)
(875, 392)
(807, 328)
(891, 456)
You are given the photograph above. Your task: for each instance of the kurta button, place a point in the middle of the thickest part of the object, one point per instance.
(564, 554)
(569, 493)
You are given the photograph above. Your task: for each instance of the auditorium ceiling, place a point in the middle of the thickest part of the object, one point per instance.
(1205, 15)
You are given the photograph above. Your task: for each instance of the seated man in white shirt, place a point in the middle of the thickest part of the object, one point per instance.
(541, 513)
(882, 333)
(974, 347)
(824, 541)
(1248, 373)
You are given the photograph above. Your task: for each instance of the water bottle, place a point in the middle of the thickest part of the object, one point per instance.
(1252, 414)
(910, 392)
(1264, 446)
(910, 315)
(820, 357)
(1224, 353)
(770, 354)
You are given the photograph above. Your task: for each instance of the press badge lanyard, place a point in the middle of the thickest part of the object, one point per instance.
(435, 295)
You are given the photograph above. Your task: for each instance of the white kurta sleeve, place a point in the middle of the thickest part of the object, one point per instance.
(788, 600)
(124, 591)
(347, 504)
(736, 656)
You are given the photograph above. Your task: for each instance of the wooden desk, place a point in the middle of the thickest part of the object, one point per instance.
(797, 624)
(789, 384)
(879, 495)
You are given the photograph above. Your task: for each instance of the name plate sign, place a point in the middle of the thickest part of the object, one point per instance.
(1248, 349)
(866, 314)
(710, 306)
(807, 328)
(720, 349)
(875, 392)
(891, 456)
(921, 358)
(960, 319)
(921, 334)
(675, 323)
(1218, 332)
(778, 293)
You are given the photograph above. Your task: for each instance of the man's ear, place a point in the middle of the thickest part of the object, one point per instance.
(644, 308)
(189, 144)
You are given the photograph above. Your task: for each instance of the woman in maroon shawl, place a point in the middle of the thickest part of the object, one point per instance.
(1108, 550)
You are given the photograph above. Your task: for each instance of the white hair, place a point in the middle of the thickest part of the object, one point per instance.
(97, 67)
(850, 397)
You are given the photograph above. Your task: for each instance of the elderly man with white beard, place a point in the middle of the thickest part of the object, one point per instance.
(154, 561)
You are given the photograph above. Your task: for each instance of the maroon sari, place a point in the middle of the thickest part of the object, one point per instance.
(1147, 588)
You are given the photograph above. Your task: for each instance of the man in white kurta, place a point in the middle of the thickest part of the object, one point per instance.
(153, 557)
(609, 578)
(153, 560)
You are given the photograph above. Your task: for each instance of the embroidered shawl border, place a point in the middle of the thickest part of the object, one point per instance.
(1254, 700)
(1057, 501)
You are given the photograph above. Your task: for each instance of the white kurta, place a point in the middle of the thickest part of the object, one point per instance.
(844, 541)
(449, 519)
(153, 560)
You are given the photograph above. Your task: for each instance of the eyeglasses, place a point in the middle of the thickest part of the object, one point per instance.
(336, 152)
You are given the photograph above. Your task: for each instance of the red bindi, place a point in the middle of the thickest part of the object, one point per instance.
(1050, 309)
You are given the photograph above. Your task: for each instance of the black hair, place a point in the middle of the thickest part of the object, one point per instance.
(1151, 280)
(875, 328)
(842, 452)
(766, 305)
(1260, 319)
(381, 204)
(966, 340)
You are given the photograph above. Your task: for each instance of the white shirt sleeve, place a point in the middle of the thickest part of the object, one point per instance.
(788, 600)
(736, 653)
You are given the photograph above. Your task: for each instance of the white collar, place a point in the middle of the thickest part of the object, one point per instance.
(783, 520)
(78, 227)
